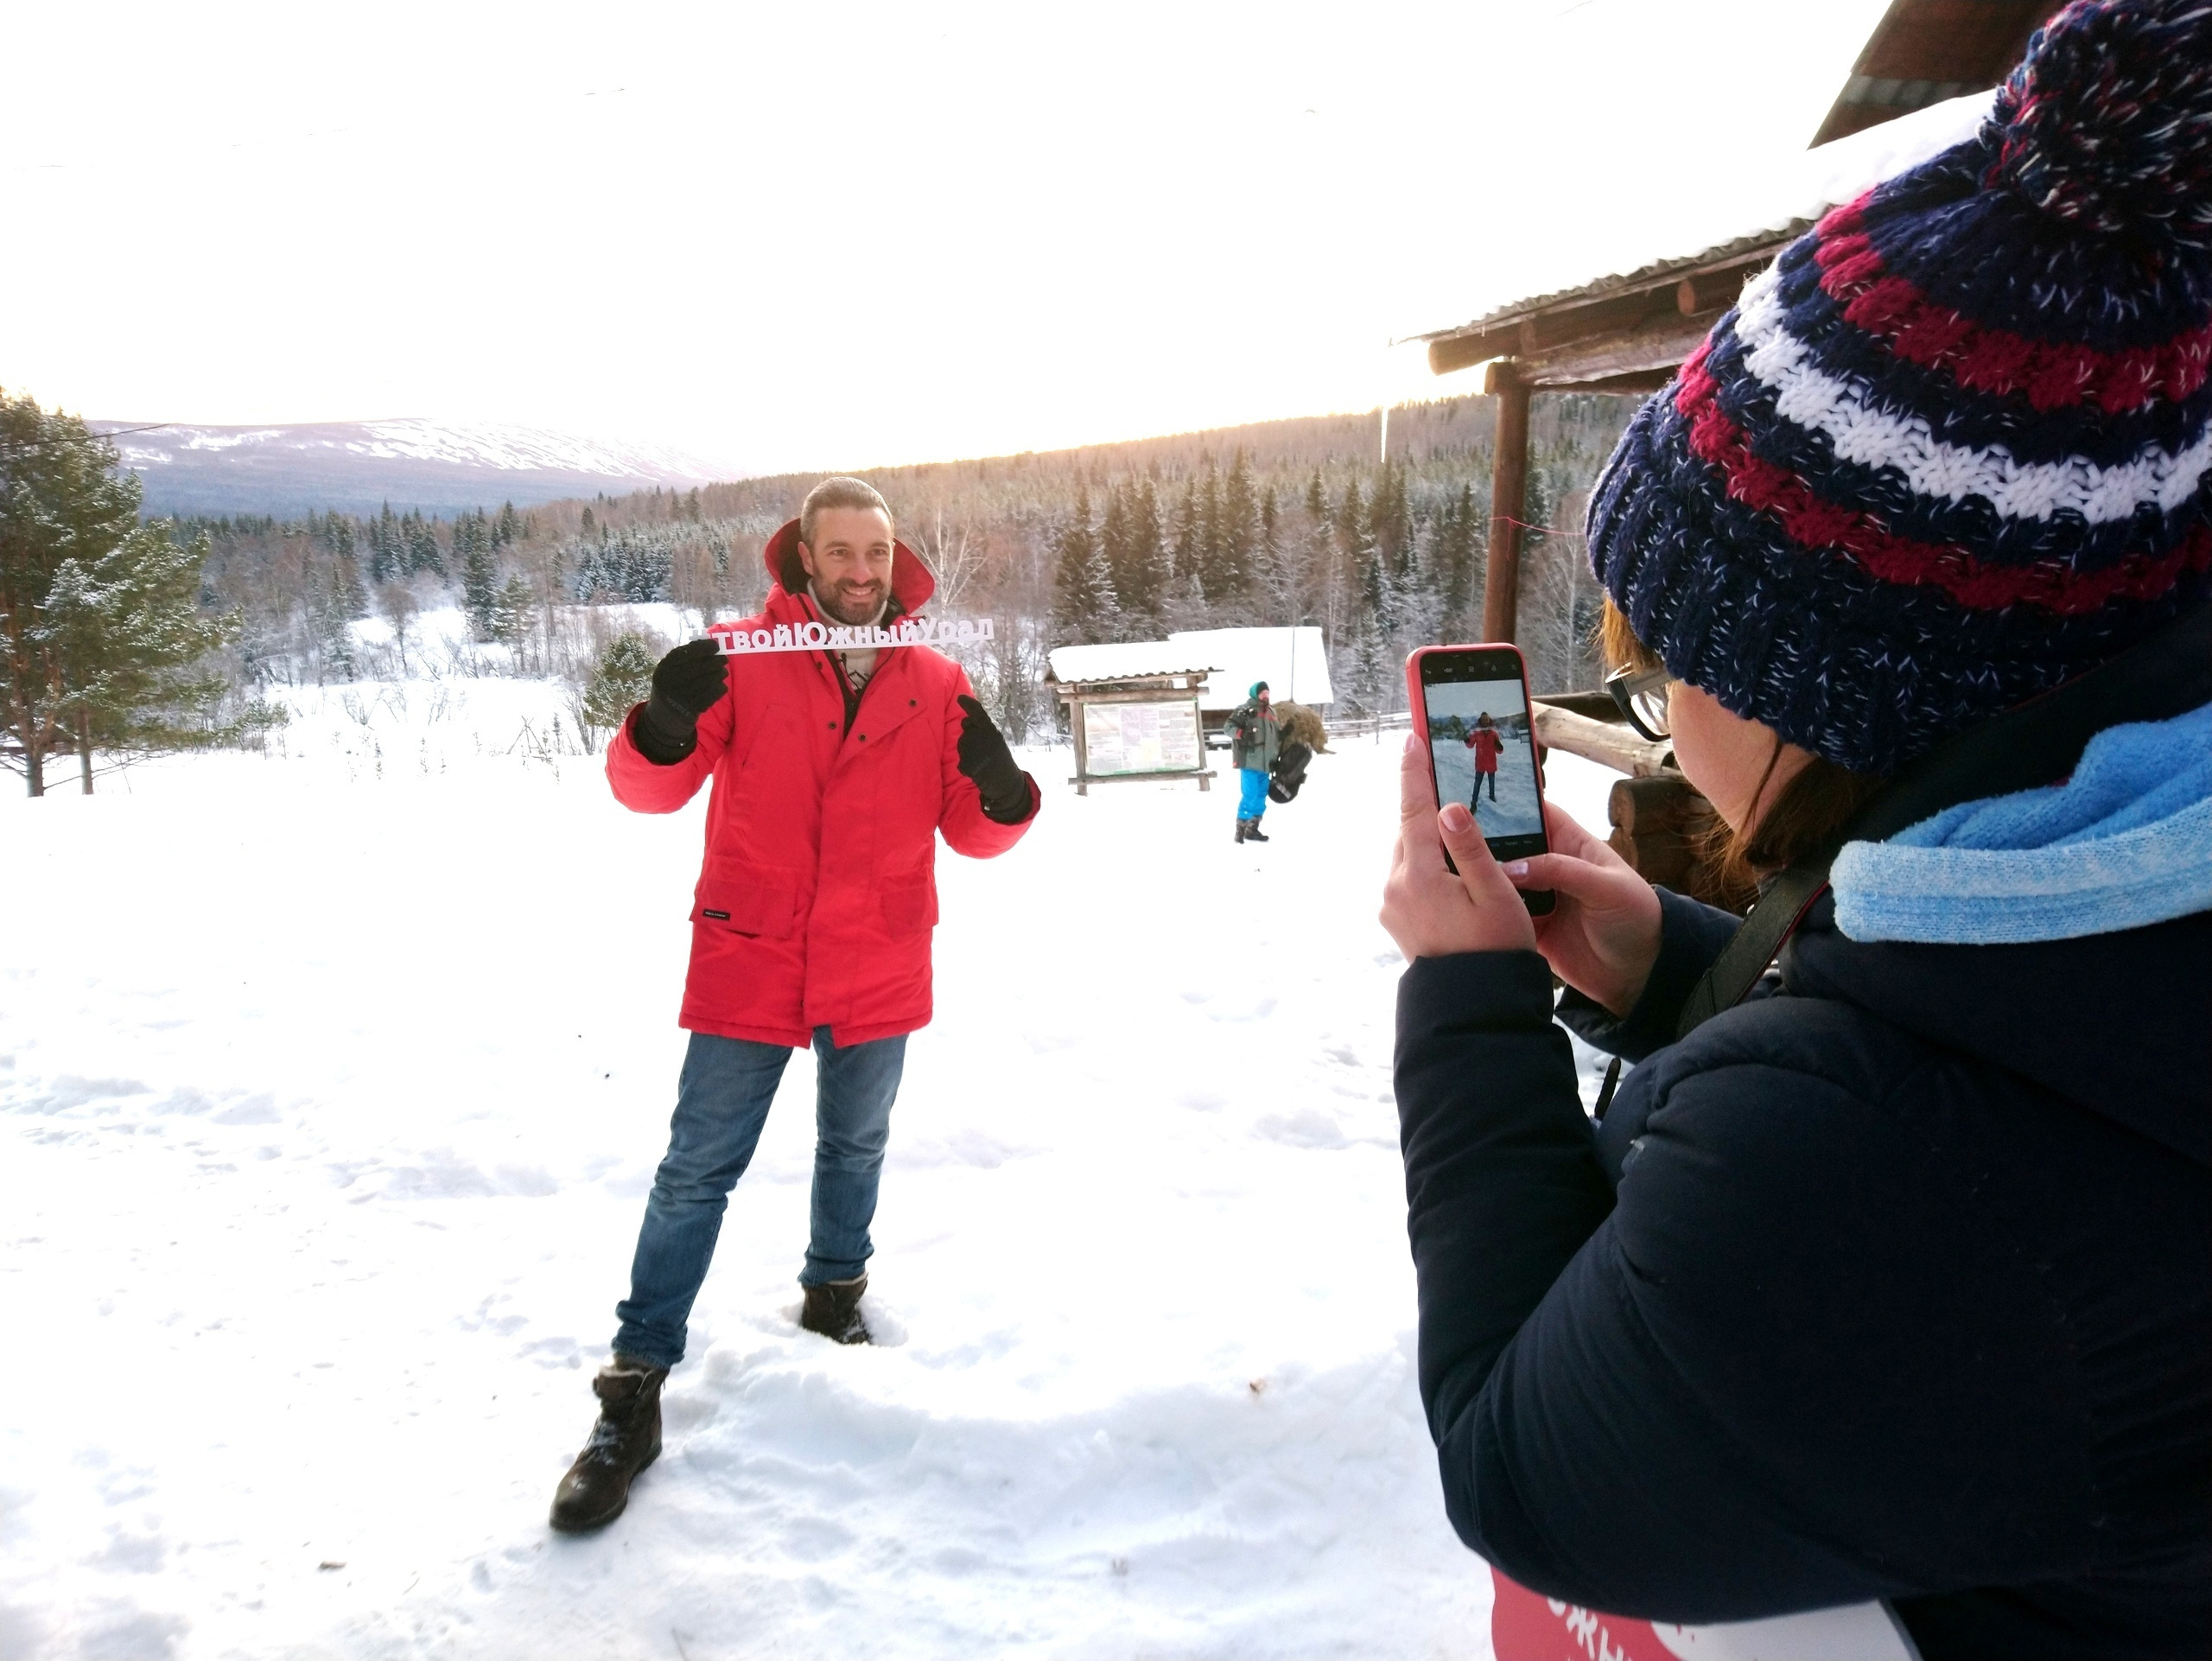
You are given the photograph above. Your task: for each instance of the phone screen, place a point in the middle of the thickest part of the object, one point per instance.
(1481, 750)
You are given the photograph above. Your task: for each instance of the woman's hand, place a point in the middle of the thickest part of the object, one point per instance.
(1602, 934)
(1429, 911)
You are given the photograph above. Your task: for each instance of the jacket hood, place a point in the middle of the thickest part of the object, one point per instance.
(2125, 842)
(911, 583)
(2063, 934)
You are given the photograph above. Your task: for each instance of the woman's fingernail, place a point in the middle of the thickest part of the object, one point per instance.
(1413, 743)
(1517, 867)
(1457, 818)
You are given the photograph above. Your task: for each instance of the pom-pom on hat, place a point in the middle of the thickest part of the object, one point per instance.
(1951, 448)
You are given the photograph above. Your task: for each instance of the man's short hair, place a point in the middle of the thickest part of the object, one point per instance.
(840, 493)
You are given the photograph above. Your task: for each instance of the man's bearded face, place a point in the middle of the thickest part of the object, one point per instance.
(849, 563)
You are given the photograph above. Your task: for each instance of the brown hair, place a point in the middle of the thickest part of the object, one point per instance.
(1805, 815)
(840, 493)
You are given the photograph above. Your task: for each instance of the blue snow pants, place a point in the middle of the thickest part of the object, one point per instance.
(1252, 800)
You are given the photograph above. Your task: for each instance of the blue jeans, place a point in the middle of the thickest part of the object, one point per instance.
(722, 1102)
(1254, 800)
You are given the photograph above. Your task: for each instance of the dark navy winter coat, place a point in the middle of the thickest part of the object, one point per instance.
(1894, 1283)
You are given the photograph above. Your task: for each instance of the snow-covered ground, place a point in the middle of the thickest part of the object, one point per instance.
(331, 1084)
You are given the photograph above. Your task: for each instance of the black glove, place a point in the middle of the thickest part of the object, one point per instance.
(985, 759)
(687, 682)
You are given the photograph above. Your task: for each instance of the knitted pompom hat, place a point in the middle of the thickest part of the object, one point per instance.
(1950, 449)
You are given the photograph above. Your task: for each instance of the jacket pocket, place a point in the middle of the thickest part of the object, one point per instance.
(747, 899)
(907, 904)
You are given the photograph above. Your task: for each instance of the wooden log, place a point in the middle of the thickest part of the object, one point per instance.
(1663, 828)
(1717, 290)
(1509, 495)
(1659, 803)
(1609, 743)
(1670, 859)
(1659, 344)
(1464, 351)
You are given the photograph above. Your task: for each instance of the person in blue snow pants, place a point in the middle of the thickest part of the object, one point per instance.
(1255, 742)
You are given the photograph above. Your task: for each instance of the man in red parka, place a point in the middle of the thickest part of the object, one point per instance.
(834, 770)
(1483, 740)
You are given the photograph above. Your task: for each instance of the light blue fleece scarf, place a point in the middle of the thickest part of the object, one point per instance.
(2125, 842)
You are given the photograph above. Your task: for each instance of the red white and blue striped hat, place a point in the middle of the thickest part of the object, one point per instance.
(1951, 449)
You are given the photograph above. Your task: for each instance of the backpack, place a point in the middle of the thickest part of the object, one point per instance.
(1289, 772)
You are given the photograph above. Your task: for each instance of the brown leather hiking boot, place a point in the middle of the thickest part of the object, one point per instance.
(625, 1440)
(833, 1310)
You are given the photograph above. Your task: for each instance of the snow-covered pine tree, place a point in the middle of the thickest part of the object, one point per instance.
(345, 583)
(1183, 565)
(423, 553)
(386, 552)
(1239, 533)
(512, 614)
(1276, 568)
(1149, 559)
(329, 616)
(101, 634)
(135, 645)
(479, 571)
(1211, 569)
(1084, 609)
(1114, 547)
(1362, 670)
(621, 680)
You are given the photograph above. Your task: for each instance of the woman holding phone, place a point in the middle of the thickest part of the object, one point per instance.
(1890, 1282)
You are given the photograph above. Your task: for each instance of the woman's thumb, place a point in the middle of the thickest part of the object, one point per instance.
(1569, 875)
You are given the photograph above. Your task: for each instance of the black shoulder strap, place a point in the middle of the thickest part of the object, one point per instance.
(2038, 742)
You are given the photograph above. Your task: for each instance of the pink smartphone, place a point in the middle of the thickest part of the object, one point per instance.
(1471, 704)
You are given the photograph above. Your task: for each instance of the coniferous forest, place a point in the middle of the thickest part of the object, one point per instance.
(1289, 522)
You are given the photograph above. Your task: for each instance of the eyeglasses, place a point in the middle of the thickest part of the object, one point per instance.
(1641, 694)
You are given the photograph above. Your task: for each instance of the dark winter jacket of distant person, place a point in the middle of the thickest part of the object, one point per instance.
(818, 893)
(1254, 736)
(1892, 1280)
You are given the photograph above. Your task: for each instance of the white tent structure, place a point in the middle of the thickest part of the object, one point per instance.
(1291, 660)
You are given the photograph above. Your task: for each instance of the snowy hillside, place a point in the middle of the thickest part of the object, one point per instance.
(324, 1138)
(434, 467)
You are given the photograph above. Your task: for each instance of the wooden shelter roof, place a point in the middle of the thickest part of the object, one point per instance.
(1925, 51)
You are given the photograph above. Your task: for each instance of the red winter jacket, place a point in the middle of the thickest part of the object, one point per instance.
(1484, 742)
(818, 893)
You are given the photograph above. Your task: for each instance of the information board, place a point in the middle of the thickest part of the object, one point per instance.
(1160, 737)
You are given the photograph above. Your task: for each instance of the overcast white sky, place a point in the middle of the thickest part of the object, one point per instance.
(795, 236)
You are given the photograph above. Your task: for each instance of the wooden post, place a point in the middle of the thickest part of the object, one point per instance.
(1082, 748)
(1509, 495)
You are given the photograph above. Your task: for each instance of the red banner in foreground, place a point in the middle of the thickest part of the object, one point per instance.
(1527, 1626)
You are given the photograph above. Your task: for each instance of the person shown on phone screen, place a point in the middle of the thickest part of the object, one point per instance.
(1484, 741)
(1881, 1281)
(833, 773)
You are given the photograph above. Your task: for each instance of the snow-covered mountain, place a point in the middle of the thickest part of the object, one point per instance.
(436, 466)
